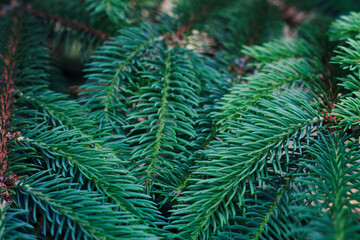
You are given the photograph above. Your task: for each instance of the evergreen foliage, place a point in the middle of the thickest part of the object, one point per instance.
(209, 120)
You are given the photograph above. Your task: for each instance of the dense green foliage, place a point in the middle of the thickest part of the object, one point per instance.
(210, 119)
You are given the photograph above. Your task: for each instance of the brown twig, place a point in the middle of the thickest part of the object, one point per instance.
(176, 38)
(290, 14)
(69, 23)
(6, 101)
(55, 19)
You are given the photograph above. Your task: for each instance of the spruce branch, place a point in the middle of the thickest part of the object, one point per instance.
(166, 112)
(240, 161)
(265, 214)
(247, 142)
(46, 141)
(112, 73)
(329, 189)
(13, 226)
(71, 205)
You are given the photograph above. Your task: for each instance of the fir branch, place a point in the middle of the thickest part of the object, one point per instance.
(54, 141)
(163, 112)
(214, 86)
(347, 26)
(327, 193)
(112, 74)
(103, 173)
(278, 50)
(80, 209)
(348, 56)
(13, 226)
(272, 211)
(167, 106)
(156, 133)
(277, 76)
(240, 161)
(347, 113)
(265, 214)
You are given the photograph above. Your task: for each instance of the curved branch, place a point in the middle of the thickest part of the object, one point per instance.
(65, 22)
